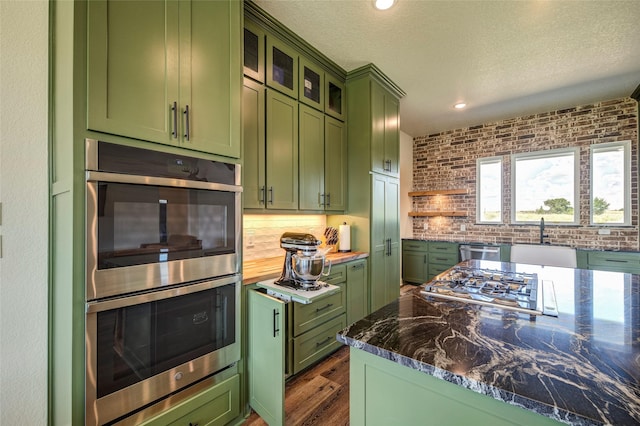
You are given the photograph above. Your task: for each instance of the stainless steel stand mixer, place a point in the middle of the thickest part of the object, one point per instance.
(303, 264)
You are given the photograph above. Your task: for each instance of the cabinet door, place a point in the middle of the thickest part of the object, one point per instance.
(311, 177)
(266, 356)
(392, 231)
(210, 76)
(357, 304)
(282, 67)
(335, 165)
(392, 133)
(253, 170)
(253, 51)
(379, 243)
(385, 137)
(335, 99)
(415, 268)
(311, 84)
(132, 68)
(282, 151)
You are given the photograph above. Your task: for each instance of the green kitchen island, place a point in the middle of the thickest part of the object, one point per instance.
(422, 360)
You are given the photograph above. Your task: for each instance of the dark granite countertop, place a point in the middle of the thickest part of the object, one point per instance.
(582, 367)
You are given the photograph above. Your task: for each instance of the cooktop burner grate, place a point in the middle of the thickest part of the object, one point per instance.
(515, 290)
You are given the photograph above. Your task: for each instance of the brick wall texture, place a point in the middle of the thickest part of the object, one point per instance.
(447, 160)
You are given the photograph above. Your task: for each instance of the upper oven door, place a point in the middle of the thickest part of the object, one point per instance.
(146, 232)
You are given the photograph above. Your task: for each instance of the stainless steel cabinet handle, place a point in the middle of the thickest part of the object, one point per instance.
(359, 266)
(322, 198)
(271, 195)
(187, 133)
(276, 330)
(174, 110)
(425, 259)
(329, 200)
(324, 307)
(324, 342)
(262, 195)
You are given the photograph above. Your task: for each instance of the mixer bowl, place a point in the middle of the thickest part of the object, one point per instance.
(309, 267)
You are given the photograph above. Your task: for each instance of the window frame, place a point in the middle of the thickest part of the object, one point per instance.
(479, 163)
(575, 151)
(610, 146)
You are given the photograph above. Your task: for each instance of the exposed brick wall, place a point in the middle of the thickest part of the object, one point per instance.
(447, 160)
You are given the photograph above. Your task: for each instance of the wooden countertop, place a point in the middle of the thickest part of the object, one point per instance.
(271, 267)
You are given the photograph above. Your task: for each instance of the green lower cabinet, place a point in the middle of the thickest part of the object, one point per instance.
(317, 343)
(628, 262)
(415, 262)
(356, 289)
(217, 405)
(384, 393)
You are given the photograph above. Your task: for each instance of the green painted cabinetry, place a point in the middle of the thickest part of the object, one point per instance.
(253, 153)
(617, 261)
(415, 261)
(385, 240)
(166, 72)
(383, 392)
(442, 256)
(335, 165)
(357, 290)
(254, 50)
(385, 141)
(311, 90)
(281, 187)
(282, 66)
(311, 159)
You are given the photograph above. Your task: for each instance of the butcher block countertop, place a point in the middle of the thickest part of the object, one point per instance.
(271, 267)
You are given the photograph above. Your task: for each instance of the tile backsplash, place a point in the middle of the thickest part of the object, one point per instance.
(261, 233)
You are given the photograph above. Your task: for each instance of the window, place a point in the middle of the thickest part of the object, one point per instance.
(489, 190)
(544, 184)
(610, 183)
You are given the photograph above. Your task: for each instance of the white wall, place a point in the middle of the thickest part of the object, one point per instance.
(406, 184)
(24, 196)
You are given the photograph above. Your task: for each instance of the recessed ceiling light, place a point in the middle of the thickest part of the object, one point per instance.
(383, 4)
(460, 105)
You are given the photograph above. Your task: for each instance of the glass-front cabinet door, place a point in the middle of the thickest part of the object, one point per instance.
(253, 51)
(335, 100)
(282, 67)
(311, 90)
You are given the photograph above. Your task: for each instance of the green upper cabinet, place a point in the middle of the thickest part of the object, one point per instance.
(374, 110)
(281, 152)
(253, 154)
(167, 72)
(311, 81)
(253, 51)
(335, 165)
(311, 177)
(282, 67)
(335, 98)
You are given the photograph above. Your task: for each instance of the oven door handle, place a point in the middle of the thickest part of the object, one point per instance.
(93, 176)
(121, 302)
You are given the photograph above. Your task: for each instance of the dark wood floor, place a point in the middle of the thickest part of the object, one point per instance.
(318, 396)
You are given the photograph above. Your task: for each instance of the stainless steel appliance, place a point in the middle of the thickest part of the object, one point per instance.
(156, 219)
(517, 291)
(303, 265)
(163, 275)
(480, 251)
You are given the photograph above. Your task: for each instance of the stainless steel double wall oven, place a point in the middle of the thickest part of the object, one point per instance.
(163, 275)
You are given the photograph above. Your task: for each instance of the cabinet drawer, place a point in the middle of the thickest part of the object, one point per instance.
(437, 247)
(215, 406)
(415, 245)
(437, 269)
(306, 317)
(338, 275)
(314, 345)
(623, 262)
(443, 258)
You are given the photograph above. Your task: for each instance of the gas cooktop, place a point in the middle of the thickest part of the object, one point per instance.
(517, 291)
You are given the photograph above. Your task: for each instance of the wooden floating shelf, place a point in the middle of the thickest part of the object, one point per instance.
(439, 192)
(439, 213)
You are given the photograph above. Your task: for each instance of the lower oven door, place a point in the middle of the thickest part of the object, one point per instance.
(142, 348)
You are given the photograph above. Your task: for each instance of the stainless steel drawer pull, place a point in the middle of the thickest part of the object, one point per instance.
(276, 330)
(617, 260)
(329, 200)
(263, 194)
(324, 342)
(271, 195)
(360, 266)
(324, 307)
(174, 110)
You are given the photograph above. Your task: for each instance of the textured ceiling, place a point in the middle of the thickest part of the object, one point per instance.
(503, 58)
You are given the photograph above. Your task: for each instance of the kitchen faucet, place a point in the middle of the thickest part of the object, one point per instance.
(542, 234)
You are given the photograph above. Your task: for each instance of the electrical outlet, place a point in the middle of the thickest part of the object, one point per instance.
(250, 238)
(425, 226)
(604, 231)
(463, 227)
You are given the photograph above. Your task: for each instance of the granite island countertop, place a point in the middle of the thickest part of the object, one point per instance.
(582, 367)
